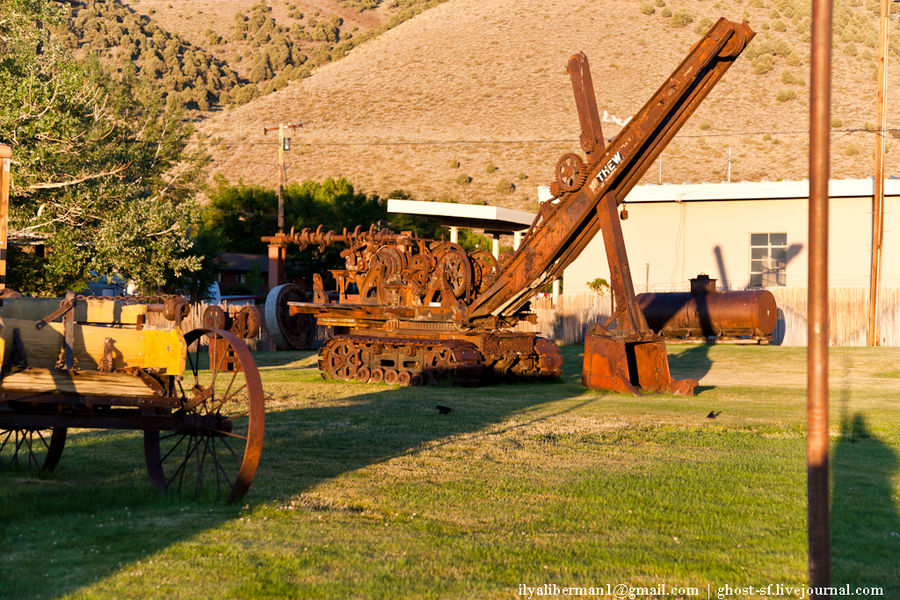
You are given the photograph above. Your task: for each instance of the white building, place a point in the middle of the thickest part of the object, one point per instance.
(747, 234)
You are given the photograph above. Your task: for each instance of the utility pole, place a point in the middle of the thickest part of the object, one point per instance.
(284, 143)
(878, 196)
(728, 174)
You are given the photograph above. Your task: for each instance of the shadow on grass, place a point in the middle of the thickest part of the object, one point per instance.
(865, 522)
(693, 363)
(276, 361)
(99, 514)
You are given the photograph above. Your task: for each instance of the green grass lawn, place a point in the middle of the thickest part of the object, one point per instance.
(366, 491)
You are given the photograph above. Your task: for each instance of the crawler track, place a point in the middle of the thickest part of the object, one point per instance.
(401, 361)
(428, 361)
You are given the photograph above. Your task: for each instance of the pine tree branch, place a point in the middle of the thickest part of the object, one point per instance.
(61, 184)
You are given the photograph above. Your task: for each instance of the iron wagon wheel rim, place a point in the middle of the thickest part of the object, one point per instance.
(245, 449)
(16, 442)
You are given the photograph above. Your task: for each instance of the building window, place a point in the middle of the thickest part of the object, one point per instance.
(768, 253)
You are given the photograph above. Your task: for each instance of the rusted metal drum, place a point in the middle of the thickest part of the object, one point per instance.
(746, 313)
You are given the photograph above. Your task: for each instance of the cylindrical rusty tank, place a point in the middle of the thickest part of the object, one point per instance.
(704, 312)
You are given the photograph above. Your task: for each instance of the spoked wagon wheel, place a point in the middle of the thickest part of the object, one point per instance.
(222, 420)
(31, 449)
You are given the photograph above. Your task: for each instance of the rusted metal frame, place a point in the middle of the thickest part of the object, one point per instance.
(636, 164)
(374, 311)
(586, 104)
(817, 350)
(651, 137)
(531, 266)
(66, 305)
(632, 319)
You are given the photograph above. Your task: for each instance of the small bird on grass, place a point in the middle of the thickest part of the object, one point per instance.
(443, 409)
(713, 414)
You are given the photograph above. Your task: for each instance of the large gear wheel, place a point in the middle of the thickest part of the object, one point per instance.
(570, 173)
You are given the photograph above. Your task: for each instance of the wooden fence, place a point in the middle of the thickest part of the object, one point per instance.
(194, 320)
(566, 322)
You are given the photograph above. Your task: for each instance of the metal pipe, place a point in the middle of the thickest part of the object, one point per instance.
(878, 196)
(817, 317)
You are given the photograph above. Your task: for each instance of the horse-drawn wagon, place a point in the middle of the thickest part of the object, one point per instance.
(96, 362)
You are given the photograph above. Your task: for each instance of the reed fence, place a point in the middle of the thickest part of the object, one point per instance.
(566, 321)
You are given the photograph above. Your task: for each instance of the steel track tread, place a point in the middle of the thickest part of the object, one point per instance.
(424, 362)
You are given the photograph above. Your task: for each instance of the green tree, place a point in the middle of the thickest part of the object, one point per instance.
(238, 216)
(102, 176)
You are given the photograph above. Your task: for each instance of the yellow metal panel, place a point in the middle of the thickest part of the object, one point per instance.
(148, 348)
(165, 348)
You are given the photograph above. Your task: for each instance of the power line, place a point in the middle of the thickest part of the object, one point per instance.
(216, 142)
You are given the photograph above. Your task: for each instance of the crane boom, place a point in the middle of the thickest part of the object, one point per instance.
(587, 192)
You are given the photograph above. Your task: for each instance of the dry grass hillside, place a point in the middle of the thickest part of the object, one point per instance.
(270, 42)
(470, 100)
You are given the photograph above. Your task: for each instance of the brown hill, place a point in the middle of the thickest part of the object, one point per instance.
(471, 99)
(270, 42)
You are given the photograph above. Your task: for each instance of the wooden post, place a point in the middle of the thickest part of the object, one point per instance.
(5, 174)
(277, 256)
(878, 197)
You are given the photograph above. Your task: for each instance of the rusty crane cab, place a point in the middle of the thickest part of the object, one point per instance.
(409, 310)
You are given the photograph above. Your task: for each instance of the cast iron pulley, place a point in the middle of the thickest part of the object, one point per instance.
(289, 332)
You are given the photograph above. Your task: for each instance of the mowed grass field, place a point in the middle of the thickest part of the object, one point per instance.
(367, 491)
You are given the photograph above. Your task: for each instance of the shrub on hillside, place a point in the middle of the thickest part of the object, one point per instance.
(785, 95)
(504, 187)
(790, 78)
(681, 19)
(647, 8)
(150, 55)
(703, 26)
(763, 64)
(361, 5)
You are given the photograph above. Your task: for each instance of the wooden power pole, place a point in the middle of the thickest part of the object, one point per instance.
(284, 144)
(878, 196)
